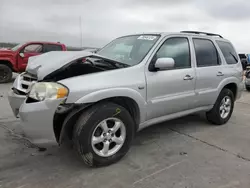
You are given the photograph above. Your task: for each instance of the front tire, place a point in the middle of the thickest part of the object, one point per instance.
(223, 108)
(103, 134)
(5, 73)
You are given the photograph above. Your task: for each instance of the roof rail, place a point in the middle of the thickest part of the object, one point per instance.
(204, 33)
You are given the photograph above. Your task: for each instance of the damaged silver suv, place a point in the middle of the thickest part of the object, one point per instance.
(100, 100)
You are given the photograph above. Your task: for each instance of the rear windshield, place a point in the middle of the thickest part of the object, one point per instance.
(129, 50)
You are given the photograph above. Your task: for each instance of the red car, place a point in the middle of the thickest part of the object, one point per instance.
(16, 59)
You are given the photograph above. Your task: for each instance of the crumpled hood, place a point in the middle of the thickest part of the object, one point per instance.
(45, 64)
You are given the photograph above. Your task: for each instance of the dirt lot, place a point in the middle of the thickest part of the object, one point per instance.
(184, 153)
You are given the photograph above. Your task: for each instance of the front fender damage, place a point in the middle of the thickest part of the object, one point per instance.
(64, 120)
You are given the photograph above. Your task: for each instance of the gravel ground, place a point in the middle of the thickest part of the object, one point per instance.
(183, 153)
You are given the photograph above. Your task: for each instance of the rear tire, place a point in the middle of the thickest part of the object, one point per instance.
(5, 73)
(91, 135)
(223, 108)
(248, 88)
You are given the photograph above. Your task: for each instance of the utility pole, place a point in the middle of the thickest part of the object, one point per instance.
(80, 25)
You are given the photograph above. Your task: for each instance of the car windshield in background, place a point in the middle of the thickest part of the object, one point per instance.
(16, 47)
(129, 50)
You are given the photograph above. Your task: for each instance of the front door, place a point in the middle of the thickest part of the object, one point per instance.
(171, 91)
(28, 51)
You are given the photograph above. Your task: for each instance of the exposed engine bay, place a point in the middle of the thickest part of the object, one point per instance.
(83, 66)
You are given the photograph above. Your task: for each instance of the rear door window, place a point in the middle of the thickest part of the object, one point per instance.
(206, 53)
(228, 52)
(51, 47)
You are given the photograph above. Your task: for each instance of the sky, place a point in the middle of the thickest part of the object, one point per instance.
(98, 22)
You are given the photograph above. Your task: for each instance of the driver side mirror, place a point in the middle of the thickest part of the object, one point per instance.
(21, 54)
(164, 63)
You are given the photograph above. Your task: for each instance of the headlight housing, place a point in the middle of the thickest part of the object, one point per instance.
(48, 90)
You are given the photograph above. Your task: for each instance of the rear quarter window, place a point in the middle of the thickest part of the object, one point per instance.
(52, 47)
(228, 52)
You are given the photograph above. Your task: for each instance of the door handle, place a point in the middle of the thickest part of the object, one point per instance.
(188, 77)
(220, 74)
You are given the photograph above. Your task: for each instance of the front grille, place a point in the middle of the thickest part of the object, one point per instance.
(25, 86)
(29, 79)
(26, 80)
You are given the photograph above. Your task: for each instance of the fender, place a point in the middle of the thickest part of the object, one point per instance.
(116, 92)
(226, 81)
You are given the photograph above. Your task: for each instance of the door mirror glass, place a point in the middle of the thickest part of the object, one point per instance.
(164, 63)
(21, 54)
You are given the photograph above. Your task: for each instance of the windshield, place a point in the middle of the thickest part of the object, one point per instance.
(129, 50)
(16, 47)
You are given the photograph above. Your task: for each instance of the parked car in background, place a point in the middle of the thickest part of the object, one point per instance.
(100, 100)
(247, 78)
(16, 58)
(244, 60)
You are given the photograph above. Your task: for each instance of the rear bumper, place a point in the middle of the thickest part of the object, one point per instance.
(37, 120)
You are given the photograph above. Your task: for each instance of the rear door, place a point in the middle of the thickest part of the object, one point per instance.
(28, 51)
(208, 71)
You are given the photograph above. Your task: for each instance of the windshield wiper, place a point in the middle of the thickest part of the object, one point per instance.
(103, 61)
(111, 62)
(91, 62)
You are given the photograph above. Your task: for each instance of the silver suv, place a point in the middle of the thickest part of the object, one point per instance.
(100, 100)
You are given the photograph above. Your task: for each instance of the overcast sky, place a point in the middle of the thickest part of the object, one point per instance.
(104, 20)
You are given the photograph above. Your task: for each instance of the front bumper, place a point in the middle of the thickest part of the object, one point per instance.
(17, 98)
(36, 117)
(37, 120)
(15, 102)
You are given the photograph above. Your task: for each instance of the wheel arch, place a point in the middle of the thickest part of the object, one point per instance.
(66, 123)
(233, 87)
(7, 63)
(231, 83)
(129, 95)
